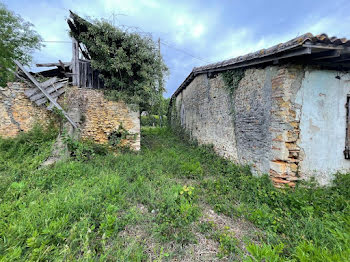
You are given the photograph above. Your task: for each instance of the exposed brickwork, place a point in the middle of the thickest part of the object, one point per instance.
(98, 117)
(285, 126)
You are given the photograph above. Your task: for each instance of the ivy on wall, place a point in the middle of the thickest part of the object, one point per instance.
(232, 78)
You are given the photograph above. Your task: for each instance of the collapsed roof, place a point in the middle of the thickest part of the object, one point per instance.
(330, 52)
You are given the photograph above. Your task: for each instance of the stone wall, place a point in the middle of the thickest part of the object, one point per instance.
(284, 127)
(252, 103)
(99, 118)
(17, 112)
(263, 124)
(204, 111)
(96, 117)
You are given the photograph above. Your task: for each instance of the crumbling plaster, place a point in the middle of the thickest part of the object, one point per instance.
(323, 124)
(287, 121)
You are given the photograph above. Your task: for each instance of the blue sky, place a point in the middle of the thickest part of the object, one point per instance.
(194, 33)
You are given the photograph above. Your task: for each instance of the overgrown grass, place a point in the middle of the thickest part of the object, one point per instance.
(80, 209)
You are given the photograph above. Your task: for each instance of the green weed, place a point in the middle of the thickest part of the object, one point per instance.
(78, 209)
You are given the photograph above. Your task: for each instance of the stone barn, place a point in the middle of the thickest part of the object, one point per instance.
(284, 110)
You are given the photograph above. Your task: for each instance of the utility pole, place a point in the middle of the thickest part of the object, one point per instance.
(160, 86)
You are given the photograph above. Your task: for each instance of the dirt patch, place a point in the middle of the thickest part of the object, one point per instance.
(205, 250)
(240, 227)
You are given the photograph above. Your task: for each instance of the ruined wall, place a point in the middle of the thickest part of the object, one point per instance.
(97, 117)
(286, 121)
(100, 117)
(17, 112)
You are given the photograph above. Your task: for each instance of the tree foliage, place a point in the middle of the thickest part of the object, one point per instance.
(17, 41)
(160, 107)
(129, 63)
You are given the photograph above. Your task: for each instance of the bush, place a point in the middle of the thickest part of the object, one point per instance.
(154, 120)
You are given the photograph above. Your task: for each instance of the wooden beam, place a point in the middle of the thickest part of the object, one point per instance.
(52, 100)
(45, 84)
(53, 95)
(325, 47)
(49, 90)
(256, 61)
(54, 64)
(325, 55)
(75, 63)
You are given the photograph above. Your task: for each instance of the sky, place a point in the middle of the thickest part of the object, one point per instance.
(192, 33)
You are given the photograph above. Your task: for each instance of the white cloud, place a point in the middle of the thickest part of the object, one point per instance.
(202, 32)
(198, 30)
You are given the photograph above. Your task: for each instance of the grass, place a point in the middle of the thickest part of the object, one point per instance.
(148, 205)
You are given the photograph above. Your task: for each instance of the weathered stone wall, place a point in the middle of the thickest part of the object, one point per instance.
(267, 122)
(285, 115)
(17, 112)
(252, 103)
(98, 117)
(203, 108)
(286, 121)
(239, 126)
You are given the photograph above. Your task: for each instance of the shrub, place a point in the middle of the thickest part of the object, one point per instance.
(154, 120)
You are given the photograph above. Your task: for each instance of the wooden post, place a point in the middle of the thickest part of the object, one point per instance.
(160, 86)
(75, 63)
(49, 97)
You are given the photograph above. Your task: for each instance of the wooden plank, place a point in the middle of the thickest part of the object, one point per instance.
(255, 61)
(325, 55)
(32, 91)
(54, 64)
(323, 46)
(51, 106)
(53, 95)
(51, 99)
(49, 90)
(49, 82)
(62, 64)
(75, 62)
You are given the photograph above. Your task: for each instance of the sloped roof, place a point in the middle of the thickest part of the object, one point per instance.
(307, 48)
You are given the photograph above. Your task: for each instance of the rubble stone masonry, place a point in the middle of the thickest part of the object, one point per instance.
(99, 118)
(258, 126)
(17, 112)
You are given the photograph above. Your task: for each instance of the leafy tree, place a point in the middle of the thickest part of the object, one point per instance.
(17, 41)
(129, 63)
(160, 106)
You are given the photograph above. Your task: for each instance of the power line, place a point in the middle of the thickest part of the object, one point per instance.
(185, 52)
(162, 42)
